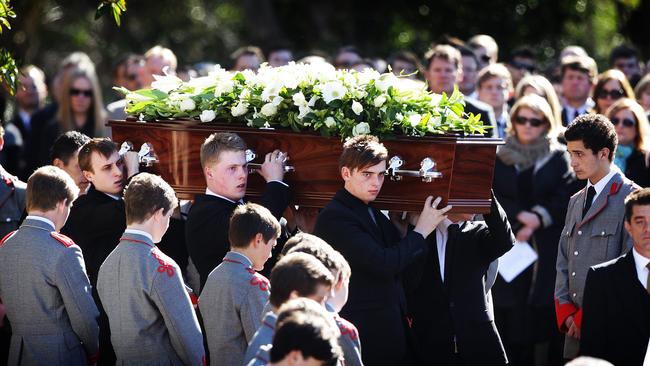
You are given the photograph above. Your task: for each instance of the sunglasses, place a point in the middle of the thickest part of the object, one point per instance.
(625, 121)
(614, 94)
(522, 66)
(534, 122)
(86, 93)
(485, 58)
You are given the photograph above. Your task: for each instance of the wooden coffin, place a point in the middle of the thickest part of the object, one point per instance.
(466, 164)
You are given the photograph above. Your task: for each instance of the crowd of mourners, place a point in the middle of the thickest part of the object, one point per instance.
(102, 264)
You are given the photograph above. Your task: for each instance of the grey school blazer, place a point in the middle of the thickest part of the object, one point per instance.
(47, 295)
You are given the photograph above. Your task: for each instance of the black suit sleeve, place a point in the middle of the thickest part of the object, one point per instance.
(362, 250)
(275, 198)
(497, 238)
(593, 336)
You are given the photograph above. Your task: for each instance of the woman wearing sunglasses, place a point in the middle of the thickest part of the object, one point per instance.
(80, 108)
(611, 86)
(631, 123)
(532, 181)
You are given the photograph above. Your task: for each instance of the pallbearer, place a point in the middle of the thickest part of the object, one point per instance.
(43, 281)
(150, 314)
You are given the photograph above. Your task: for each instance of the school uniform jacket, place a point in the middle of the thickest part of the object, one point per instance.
(585, 242)
(151, 317)
(231, 306)
(46, 292)
(262, 337)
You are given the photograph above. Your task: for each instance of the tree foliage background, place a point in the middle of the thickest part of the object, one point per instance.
(44, 31)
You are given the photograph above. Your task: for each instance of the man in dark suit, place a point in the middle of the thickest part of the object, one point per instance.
(377, 252)
(97, 219)
(223, 159)
(616, 305)
(444, 71)
(446, 292)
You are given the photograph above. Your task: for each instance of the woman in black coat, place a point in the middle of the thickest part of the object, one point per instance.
(631, 125)
(532, 181)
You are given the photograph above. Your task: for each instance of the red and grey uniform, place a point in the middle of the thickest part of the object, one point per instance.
(150, 313)
(231, 306)
(12, 202)
(47, 295)
(349, 341)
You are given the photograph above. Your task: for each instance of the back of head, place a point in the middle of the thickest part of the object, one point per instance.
(595, 131)
(67, 145)
(299, 272)
(332, 259)
(100, 145)
(144, 195)
(304, 326)
(249, 220)
(47, 187)
(217, 143)
(362, 151)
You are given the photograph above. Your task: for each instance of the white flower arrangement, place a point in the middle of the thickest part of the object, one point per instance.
(307, 97)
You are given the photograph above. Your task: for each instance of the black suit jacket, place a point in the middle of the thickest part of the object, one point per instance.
(616, 313)
(637, 170)
(457, 307)
(487, 116)
(206, 229)
(377, 256)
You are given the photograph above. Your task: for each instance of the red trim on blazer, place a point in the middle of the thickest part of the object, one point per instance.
(562, 312)
(160, 257)
(67, 242)
(9, 235)
(258, 280)
(347, 328)
(616, 186)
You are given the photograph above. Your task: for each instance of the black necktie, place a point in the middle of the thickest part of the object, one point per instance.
(577, 114)
(591, 192)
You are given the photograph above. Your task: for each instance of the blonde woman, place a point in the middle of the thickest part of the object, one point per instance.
(631, 123)
(538, 84)
(533, 183)
(611, 86)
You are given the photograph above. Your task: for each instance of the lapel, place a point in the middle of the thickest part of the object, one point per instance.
(613, 186)
(360, 210)
(638, 295)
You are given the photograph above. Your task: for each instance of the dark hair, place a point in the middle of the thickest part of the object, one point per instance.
(67, 145)
(144, 195)
(249, 220)
(362, 151)
(48, 186)
(444, 52)
(304, 326)
(468, 52)
(298, 272)
(101, 145)
(622, 51)
(217, 143)
(408, 57)
(595, 131)
(636, 198)
(311, 244)
(584, 64)
(124, 61)
(523, 52)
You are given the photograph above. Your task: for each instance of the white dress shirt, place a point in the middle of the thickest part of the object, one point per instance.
(210, 193)
(43, 219)
(442, 233)
(139, 232)
(600, 185)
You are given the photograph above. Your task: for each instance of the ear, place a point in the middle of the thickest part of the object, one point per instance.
(159, 214)
(628, 226)
(88, 175)
(604, 153)
(346, 173)
(259, 240)
(58, 163)
(61, 205)
(207, 171)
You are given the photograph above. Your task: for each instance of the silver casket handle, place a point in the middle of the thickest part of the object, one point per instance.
(427, 170)
(146, 154)
(253, 167)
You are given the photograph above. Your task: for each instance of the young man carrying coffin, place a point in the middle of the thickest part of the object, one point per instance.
(593, 230)
(223, 159)
(151, 316)
(43, 281)
(375, 250)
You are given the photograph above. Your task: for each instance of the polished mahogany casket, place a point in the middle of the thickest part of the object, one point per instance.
(460, 169)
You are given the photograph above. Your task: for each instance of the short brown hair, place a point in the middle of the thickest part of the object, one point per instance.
(249, 220)
(101, 145)
(362, 151)
(298, 272)
(640, 197)
(584, 64)
(217, 143)
(144, 195)
(444, 52)
(47, 187)
(311, 244)
(494, 71)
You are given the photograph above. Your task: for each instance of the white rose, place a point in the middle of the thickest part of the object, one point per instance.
(333, 90)
(224, 87)
(240, 109)
(166, 83)
(304, 110)
(385, 81)
(362, 128)
(379, 101)
(330, 122)
(357, 108)
(269, 109)
(208, 115)
(313, 100)
(187, 105)
(299, 99)
(415, 119)
(277, 100)
(399, 117)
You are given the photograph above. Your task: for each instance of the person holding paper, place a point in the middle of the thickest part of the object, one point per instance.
(616, 303)
(446, 294)
(532, 181)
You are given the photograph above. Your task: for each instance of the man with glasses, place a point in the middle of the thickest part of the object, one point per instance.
(578, 76)
(521, 63)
